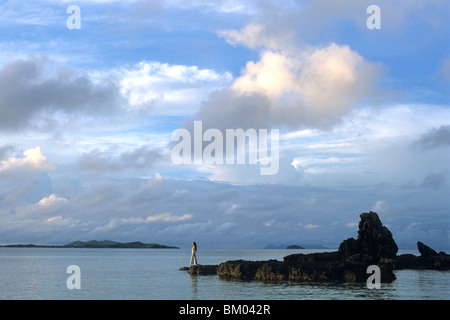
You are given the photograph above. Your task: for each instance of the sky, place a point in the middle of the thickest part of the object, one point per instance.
(89, 101)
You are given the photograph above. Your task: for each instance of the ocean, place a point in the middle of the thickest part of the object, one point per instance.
(153, 274)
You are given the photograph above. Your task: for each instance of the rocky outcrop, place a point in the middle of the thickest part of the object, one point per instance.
(373, 246)
(425, 251)
(316, 267)
(374, 239)
(201, 270)
(428, 259)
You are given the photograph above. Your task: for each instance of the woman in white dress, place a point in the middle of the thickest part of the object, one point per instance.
(194, 254)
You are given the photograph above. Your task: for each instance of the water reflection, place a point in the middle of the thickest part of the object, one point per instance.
(193, 287)
(231, 288)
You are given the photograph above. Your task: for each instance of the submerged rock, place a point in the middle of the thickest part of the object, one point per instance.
(201, 269)
(254, 270)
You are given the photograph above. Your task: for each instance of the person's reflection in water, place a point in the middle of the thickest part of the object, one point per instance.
(194, 287)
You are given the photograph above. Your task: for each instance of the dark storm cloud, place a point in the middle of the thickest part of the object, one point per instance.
(34, 87)
(435, 138)
(141, 158)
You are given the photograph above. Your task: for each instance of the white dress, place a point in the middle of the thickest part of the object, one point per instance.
(193, 257)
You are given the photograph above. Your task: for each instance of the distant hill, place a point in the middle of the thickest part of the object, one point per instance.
(115, 244)
(283, 246)
(294, 246)
(98, 244)
(29, 245)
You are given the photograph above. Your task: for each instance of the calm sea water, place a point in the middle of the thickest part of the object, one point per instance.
(124, 274)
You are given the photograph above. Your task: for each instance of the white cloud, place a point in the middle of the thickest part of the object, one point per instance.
(308, 226)
(253, 35)
(274, 75)
(58, 220)
(232, 209)
(380, 206)
(169, 89)
(168, 217)
(33, 161)
(352, 224)
(52, 201)
(312, 88)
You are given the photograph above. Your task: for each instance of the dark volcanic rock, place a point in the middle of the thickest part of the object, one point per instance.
(201, 269)
(428, 259)
(406, 261)
(374, 239)
(254, 270)
(425, 251)
(441, 262)
(375, 245)
(349, 247)
(324, 267)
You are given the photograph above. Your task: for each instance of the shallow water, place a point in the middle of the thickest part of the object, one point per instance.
(125, 274)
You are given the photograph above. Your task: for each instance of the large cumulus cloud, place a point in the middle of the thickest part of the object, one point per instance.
(312, 88)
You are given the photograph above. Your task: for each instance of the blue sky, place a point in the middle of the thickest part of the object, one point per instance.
(86, 118)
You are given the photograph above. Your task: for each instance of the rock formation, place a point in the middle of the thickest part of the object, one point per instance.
(373, 246)
(374, 239)
(200, 269)
(425, 251)
(428, 259)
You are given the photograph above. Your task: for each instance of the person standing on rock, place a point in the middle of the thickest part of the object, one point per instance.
(194, 254)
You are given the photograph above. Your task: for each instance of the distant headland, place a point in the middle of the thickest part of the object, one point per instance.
(97, 244)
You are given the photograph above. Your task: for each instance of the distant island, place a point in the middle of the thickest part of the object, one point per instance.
(294, 246)
(97, 244)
